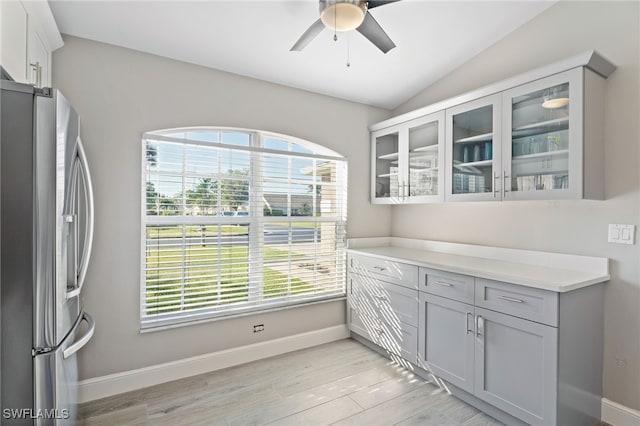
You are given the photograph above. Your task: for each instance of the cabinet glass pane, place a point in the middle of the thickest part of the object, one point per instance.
(540, 140)
(387, 184)
(423, 159)
(473, 151)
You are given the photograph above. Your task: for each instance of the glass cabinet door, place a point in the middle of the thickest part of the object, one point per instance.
(540, 124)
(425, 157)
(473, 148)
(386, 167)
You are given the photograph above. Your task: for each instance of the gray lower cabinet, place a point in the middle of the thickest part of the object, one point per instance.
(516, 366)
(384, 313)
(533, 354)
(446, 340)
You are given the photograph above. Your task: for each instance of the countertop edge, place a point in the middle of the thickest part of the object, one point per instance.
(519, 280)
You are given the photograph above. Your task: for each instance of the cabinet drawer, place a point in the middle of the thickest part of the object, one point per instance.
(447, 284)
(399, 304)
(360, 322)
(397, 338)
(524, 302)
(390, 302)
(383, 269)
(401, 340)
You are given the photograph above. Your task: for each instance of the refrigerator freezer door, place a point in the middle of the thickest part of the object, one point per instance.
(56, 377)
(55, 143)
(83, 212)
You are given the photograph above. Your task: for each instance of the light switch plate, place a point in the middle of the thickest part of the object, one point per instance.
(622, 234)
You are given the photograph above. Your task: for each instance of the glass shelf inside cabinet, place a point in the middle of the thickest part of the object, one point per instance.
(423, 159)
(473, 151)
(387, 154)
(540, 140)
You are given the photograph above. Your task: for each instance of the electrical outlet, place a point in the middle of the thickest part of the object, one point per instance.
(258, 327)
(621, 362)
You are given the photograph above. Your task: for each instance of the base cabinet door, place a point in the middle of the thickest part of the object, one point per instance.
(516, 366)
(446, 345)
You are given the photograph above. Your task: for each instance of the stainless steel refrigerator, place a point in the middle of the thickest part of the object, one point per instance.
(46, 233)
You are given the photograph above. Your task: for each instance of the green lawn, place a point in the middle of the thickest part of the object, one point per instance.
(195, 231)
(204, 272)
(210, 230)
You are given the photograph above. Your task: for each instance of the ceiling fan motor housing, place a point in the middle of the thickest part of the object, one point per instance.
(342, 15)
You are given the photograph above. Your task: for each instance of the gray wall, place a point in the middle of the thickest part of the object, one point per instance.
(579, 227)
(121, 93)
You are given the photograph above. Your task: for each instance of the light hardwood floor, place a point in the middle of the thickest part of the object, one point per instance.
(339, 383)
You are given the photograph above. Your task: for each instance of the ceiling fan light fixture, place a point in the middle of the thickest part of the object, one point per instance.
(343, 16)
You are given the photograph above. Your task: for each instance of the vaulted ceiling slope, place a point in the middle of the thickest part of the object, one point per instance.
(253, 38)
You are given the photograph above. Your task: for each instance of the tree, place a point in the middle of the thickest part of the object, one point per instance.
(235, 191)
(152, 198)
(152, 154)
(305, 209)
(204, 195)
(159, 204)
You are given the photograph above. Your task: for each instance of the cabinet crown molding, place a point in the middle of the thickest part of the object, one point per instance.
(589, 59)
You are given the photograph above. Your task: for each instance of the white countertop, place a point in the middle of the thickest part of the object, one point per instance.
(548, 271)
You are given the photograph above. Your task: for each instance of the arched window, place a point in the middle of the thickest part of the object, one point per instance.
(236, 221)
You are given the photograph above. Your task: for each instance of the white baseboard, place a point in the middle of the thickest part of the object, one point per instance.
(112, 384)
(618, 415)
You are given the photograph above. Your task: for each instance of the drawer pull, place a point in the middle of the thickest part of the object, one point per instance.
(479, 325)
(466, 322)
(379, 268)
(444, 284)
(510, 299)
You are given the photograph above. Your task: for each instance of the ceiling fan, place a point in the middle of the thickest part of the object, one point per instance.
(347, 15)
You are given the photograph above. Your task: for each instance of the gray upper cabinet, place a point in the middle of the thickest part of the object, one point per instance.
(473, 140)
(407, 161)
(552, 138)
(516, 366)
(446, 339)
(539, 135)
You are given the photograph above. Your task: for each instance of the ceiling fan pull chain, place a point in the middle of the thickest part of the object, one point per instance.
(348, 49)
(335, 24)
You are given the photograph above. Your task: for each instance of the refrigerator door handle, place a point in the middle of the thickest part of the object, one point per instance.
(88, 235)
(79, 344)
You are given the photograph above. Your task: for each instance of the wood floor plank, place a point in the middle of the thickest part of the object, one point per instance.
(321, 415)
(456, 410)
(389, 389)
(482, 419)
(130, 416)
(430, 417)
(397, 409)
(342, 383)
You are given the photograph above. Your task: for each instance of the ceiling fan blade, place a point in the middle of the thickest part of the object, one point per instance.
(375, 34)
(375, 3)
(311, 33)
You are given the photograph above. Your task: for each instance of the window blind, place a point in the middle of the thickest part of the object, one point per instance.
(235, 222)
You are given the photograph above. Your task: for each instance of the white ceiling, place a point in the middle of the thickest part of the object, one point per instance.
(253, 38)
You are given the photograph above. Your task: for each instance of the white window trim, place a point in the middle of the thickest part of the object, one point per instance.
(255, 220)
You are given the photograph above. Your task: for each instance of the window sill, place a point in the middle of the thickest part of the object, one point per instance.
(222, 317)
